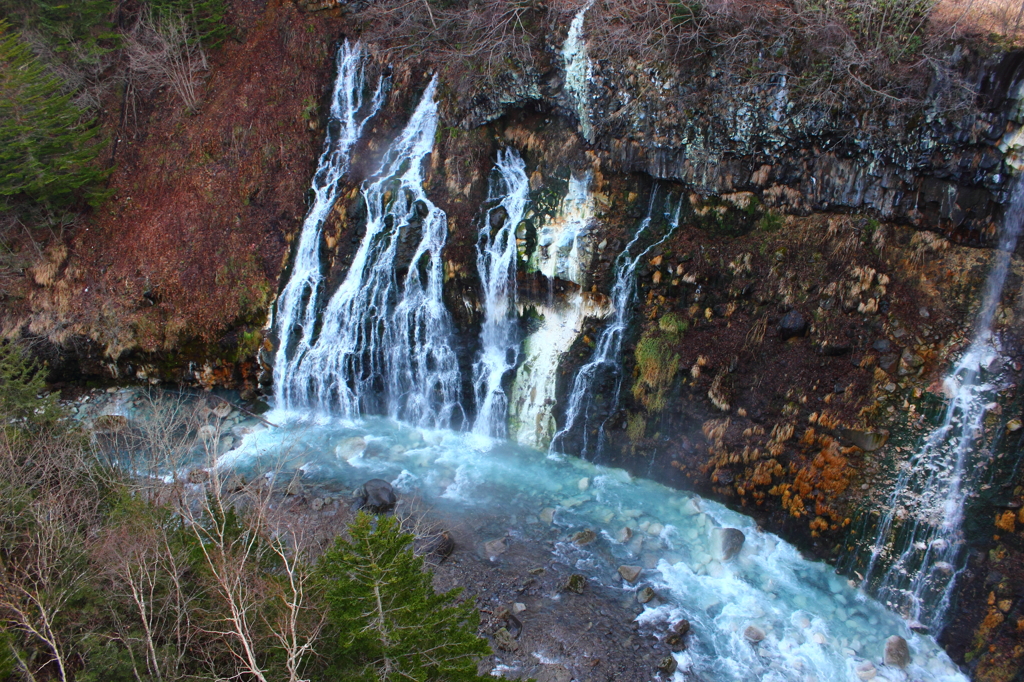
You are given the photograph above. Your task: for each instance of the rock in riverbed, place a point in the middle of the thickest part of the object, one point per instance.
(897, 652)
(630, 573)
(376, 496)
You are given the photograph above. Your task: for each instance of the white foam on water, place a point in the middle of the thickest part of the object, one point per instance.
(817, 626)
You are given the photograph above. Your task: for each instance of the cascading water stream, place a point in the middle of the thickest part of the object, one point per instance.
(932, 489)
(579, 71)
(563, 253)
(384, 346)
(607, 356)
(496, 263)
(298, 304)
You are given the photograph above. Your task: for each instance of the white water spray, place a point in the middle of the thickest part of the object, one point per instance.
(385, 340)
(932, 489)
(607, 356)
(297, 306)
(496, 263)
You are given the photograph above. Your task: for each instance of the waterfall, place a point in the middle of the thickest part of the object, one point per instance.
(579, 71)
(297, 306)
(932, 489)
(607, 356)
(496, 263)
(385, 340)
(563, 253)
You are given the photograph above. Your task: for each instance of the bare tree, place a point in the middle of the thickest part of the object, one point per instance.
(148, 570)
(50, 510)
(164, 51)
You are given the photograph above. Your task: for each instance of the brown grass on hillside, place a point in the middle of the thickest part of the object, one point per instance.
(194, 234)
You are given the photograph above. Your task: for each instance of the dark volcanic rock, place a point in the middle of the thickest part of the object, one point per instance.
(437, 547)
(730, 542)
(376, 496)
(792, 324)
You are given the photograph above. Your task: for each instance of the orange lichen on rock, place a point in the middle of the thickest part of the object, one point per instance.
(1006, 521)
(818, 481)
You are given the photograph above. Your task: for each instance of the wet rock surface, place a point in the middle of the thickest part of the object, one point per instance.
(897, 653)
(565, 635)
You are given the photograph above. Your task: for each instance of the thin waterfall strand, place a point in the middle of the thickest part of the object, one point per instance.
(496, 263)
(579, 71)
(385, 343)
(297, 306)
(607, 355)
(933, 488)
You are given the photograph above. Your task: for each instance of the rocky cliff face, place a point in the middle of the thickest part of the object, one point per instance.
(788, 338)
(719, 134)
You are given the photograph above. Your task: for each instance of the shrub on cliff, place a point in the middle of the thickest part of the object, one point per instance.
(388, 623)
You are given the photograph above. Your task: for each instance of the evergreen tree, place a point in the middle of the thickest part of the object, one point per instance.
(46, 149)
(207, 17)
(23, 394)
(81, 30)
(388, 622)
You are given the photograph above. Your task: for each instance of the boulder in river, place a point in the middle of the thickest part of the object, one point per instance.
(630, 573)
(897, 652)
(576, 583)
(504, 641)
(676, 637)
(668, 665)
(754, 634)
(350, 448)
(494, 548)
(866, 671)
(646, 594)
(727, 543)
(110, 423)
(376, 496)
(198, 475)
(584, 537)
